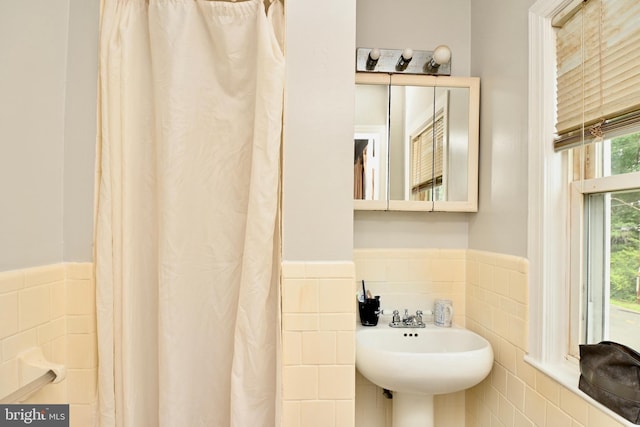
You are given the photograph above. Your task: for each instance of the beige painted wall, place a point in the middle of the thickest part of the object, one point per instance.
(317, 204)
(47, 168)
(48, 51)
(33, 50)
(80, 130)
(499, 56)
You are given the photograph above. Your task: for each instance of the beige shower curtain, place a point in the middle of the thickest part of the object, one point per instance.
(188, 170)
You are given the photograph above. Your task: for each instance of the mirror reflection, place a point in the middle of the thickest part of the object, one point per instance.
(370, 142)
(412, 144)
(428, 154)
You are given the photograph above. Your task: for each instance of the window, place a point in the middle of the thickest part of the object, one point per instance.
(427, 160)
(580, 239)
(598, 110)
(607, 220)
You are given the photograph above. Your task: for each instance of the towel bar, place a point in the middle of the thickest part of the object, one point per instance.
(29, 388)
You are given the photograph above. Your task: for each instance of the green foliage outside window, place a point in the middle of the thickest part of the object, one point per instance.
(625, 221)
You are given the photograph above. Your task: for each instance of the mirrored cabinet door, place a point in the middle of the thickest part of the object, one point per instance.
(459, 191)
(371, 143)
(432, 142)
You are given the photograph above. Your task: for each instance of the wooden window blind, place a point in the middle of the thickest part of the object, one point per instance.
(427, 157)
(598, 69)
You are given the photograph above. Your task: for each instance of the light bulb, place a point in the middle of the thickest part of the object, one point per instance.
(442, 54)
(407, 54)
(405, 58)
(372, 59)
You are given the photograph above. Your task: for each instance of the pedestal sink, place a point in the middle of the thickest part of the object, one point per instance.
(418, 363)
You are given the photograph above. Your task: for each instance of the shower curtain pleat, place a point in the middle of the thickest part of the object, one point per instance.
(189, 146)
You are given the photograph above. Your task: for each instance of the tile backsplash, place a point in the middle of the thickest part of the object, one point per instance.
(410, 279)
(413, 279)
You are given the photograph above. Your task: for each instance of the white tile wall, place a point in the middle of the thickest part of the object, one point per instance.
(52, 307)
(318, 313)
(514, 394)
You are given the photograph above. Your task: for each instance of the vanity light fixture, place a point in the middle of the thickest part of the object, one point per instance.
(404, 61)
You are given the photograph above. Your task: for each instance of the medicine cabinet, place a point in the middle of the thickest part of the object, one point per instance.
(416, 143)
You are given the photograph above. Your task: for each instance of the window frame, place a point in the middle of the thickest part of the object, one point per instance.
(548, 230)
(579, 190)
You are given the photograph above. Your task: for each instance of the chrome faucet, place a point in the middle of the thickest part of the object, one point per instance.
(408, 320)
(396, 318)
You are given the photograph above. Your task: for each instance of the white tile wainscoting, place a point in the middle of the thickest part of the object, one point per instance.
(52, 307)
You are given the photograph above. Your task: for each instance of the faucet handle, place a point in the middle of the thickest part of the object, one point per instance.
(396, 317)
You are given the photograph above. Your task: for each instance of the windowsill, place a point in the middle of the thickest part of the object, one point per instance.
(567, 374)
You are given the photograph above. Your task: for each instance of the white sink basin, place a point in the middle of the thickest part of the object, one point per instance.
(430, 360)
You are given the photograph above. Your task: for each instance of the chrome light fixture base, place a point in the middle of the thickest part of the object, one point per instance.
(395, 61)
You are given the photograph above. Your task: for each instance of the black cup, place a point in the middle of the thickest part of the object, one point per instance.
(369, 310)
